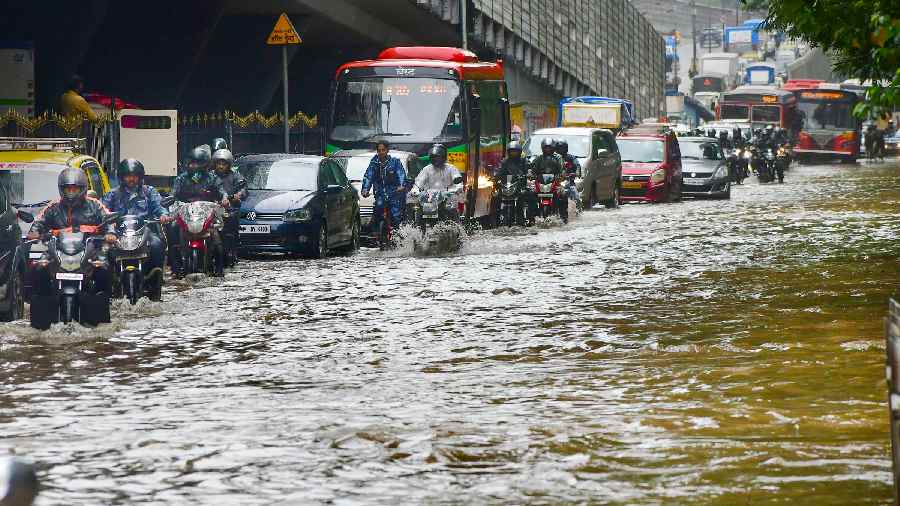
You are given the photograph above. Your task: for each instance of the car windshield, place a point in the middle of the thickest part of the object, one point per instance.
(407, 110)
(579, 145)
(700, 150)
(30, 183)
(280, 175)
(641, 151)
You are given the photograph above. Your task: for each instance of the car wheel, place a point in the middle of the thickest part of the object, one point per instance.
(17, 301)
(727, 195)
(320, 248)
(591, 198)
(353, 246)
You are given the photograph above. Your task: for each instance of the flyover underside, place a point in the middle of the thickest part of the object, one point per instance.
(211, 54)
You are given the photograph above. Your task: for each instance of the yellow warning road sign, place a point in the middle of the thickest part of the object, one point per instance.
(283, 33)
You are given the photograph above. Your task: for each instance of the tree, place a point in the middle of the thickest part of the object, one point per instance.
(862, 35)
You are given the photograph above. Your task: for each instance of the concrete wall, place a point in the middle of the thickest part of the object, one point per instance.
(815, 64)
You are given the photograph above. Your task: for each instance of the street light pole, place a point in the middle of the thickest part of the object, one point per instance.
(463, 4)
(694, 37)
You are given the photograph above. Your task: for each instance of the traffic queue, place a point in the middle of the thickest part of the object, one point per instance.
(437, 164)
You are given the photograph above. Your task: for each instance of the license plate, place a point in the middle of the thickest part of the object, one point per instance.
(631, 184)
(70, 276)
(256, 229)
(695, 182)
(35, 256)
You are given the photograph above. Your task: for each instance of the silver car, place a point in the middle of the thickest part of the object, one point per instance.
(355, 162)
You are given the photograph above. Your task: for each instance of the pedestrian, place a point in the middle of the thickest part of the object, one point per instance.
(71, 103)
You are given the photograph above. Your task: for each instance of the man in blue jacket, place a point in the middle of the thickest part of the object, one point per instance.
(388, 178)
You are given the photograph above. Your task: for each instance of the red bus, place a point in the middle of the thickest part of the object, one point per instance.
(758, 106)
(414, 97)
(827, 124)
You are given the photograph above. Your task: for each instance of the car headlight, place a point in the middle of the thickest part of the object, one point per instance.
(658, 176)
(748, 155)
(70, 262)
(721, 172)
(297, 215)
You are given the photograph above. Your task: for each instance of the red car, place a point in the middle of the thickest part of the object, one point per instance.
(651, 168)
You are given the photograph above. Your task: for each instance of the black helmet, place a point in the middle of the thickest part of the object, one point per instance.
(222, 155)
(72, 177)
(562, 145)
(198, 159)
(131, 167)
(439, 151)
(219, 143)
(514, 146)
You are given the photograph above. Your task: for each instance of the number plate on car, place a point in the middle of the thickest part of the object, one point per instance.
(256, 229)
(694, 182)
(69, 276)
(631, 184)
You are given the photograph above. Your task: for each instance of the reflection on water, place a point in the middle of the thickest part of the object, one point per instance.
(698, 353)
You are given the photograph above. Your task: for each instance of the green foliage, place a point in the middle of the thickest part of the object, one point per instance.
(863, 36)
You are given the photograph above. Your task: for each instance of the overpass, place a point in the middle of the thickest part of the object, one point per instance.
(208, 55)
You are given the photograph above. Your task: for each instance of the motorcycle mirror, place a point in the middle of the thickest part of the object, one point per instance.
(457, 180)
(25, 216)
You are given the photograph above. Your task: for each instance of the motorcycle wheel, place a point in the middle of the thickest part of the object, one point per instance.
(130, 287)
(545, 212)
(15, 298)
(509, 216)
(194, 263)
(68, 309)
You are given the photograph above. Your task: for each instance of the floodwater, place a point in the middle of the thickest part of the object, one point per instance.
(711, 352)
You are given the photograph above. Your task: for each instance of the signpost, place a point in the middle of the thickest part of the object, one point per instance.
(282, 35)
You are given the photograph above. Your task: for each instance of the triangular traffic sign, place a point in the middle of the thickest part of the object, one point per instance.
(283, 33)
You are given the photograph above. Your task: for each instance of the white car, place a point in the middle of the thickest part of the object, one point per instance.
(355, 162)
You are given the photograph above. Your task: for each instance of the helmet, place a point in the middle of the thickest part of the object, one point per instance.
(68, 180)
(514, 146)
(131, 167)
(219, 143)
(198, 159)
(438, 151)
(222, 155)
(547, 142)
(562, 145)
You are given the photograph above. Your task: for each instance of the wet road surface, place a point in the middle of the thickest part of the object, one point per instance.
(709, 352)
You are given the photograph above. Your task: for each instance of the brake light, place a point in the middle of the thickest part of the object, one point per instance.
(461, 208)
(197, 244)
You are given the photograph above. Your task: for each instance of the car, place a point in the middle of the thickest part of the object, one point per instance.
(12, 302)
(651, 167)
(598, 155)
(29, 168)
(300, 204)
(704, 168)
(355, 162)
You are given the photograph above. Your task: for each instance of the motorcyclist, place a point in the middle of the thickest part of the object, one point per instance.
(235, 191)
(572, 167)
(549, 162)
(385, 176)
(73, 209)
(133, 197)
(197, 184)
(217, 144)
(515, 165)
(440, 175)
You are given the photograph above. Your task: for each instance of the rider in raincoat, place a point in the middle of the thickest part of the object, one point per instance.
(387, 176)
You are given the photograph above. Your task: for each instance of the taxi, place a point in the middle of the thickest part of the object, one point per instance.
(29, 168)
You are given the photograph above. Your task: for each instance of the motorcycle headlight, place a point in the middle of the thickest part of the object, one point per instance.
(71, 262)
(658, 176)
(129, 242)
(297, 215)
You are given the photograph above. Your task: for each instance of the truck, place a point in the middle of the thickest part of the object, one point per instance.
(724, 64)
(615, 114)
(17, 84)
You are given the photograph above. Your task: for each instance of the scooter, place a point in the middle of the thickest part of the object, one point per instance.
(132, 252)
(198, 221)
(71, 280)
(432, 208)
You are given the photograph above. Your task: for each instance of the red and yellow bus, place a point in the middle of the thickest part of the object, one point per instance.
(758, 106)
(827, 124)
(414, 97)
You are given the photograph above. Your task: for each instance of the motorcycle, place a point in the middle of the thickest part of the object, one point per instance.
(766, 172)
(71, 279)
(230, 235)
(197, 222)
(132, 252)
(432, 208)
(738, 163)
(551, 196)
(512, 206)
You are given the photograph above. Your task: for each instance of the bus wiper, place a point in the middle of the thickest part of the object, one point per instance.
(384, 134)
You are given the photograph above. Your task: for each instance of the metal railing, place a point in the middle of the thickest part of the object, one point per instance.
(892, 371)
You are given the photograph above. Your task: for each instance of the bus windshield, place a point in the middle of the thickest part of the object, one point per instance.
(827, 115)
(407, 110)
(734, 111)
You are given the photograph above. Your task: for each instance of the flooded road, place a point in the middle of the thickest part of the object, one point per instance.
(711, 352)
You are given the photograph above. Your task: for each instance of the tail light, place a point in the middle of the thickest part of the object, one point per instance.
(461, 208)
(197, 244)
